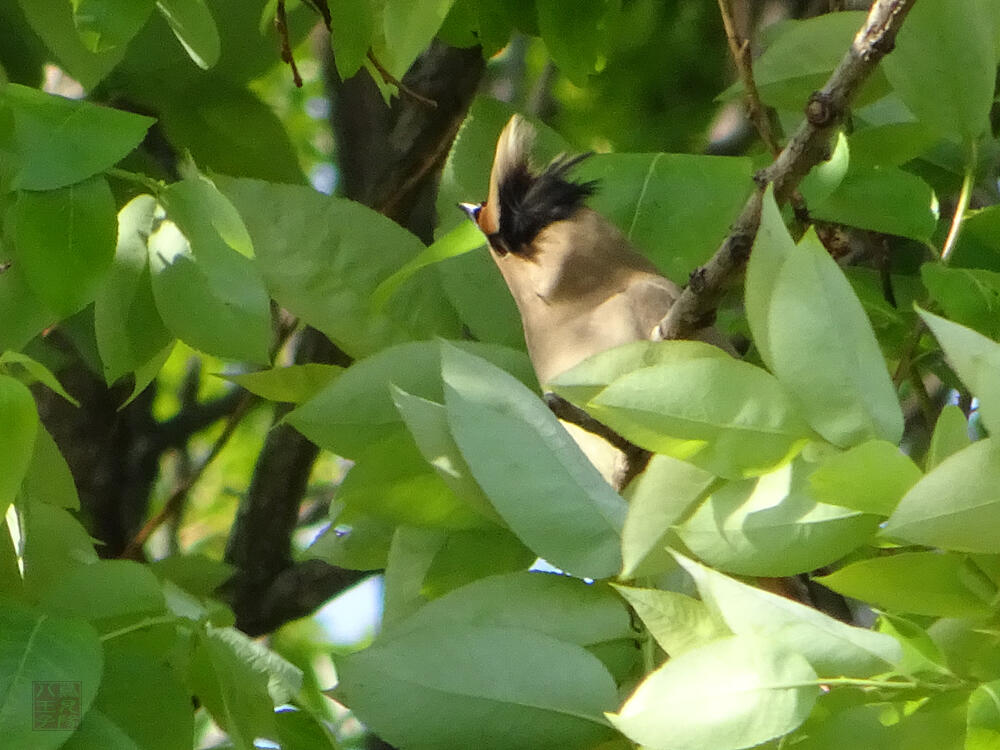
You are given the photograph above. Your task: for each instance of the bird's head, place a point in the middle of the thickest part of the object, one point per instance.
(522, 202)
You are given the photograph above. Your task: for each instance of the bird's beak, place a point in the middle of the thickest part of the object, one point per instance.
(471, 210)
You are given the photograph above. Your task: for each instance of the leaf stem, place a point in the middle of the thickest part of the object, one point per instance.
(154, 186)
(962, 206)
(145, 623)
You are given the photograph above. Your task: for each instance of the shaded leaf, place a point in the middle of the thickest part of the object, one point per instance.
(943, 65)
(732, 693)
(832, 648)
(922, 583)
(475, 684)
(61, 142)
(64, 241)
(677, 621)
(128, 327)
(814, 336)
(956, 506)
(770, 526)
(504, 431)
(291, 384)
(871, 477)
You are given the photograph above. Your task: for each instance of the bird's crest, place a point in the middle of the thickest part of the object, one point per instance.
(522, 203)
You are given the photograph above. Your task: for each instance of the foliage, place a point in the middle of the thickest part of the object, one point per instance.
(828, 450)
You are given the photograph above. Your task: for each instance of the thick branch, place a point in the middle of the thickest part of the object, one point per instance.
(809, 146)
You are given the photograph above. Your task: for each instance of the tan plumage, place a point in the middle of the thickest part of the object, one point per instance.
(578, 283)
(580, 286)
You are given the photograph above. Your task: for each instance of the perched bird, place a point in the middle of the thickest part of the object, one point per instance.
(579, 285)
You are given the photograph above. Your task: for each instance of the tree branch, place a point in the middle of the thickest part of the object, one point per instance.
(809, 146)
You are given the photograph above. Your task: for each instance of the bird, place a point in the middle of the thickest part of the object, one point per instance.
(580, 285)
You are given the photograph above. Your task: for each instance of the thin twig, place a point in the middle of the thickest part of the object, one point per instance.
(739, 46)
(403, 88)
(281, 24)
(178, 496)
(809, 146)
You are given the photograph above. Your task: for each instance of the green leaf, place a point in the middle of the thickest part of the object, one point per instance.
(976, 360)
(729, 694)
(427, 422)
(968, 296)
(292, 384)
(61, 142)
(678, 622)
(352, 31)
(20, 420)
(583, 382)
(922, 583)
(956, 506)
(127, 325)
(362, 545)
(473, 554)
(106, 590)
(676, 208)
(814, 336)
(983, 728)
(943, 65)
(726, 416)
(885, 200)
(209, 294)
(577, 35)
(239, 681)
(146, 372)
(460, 240)
(411, 554)
(504, 431)
(951, 434)
(106, 24)
(357, 409)
(891, 144)
(559, 606)
(141, 704)
(23, 313)
(409, 26)
(392, 481)
(259, 148)
(979, 242)
(659, 497)
(871, 477)
(301, 730)
(197, 574)
(48, 478)
(55, 544)
(36, 372)
(801, 57)
(823, 179)
(771, 526)
(322, 258)
(831, 647)
(65, 241)
(430, 688)
(970, 649)
(193, 25)
(53, 22)
(38, 652)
